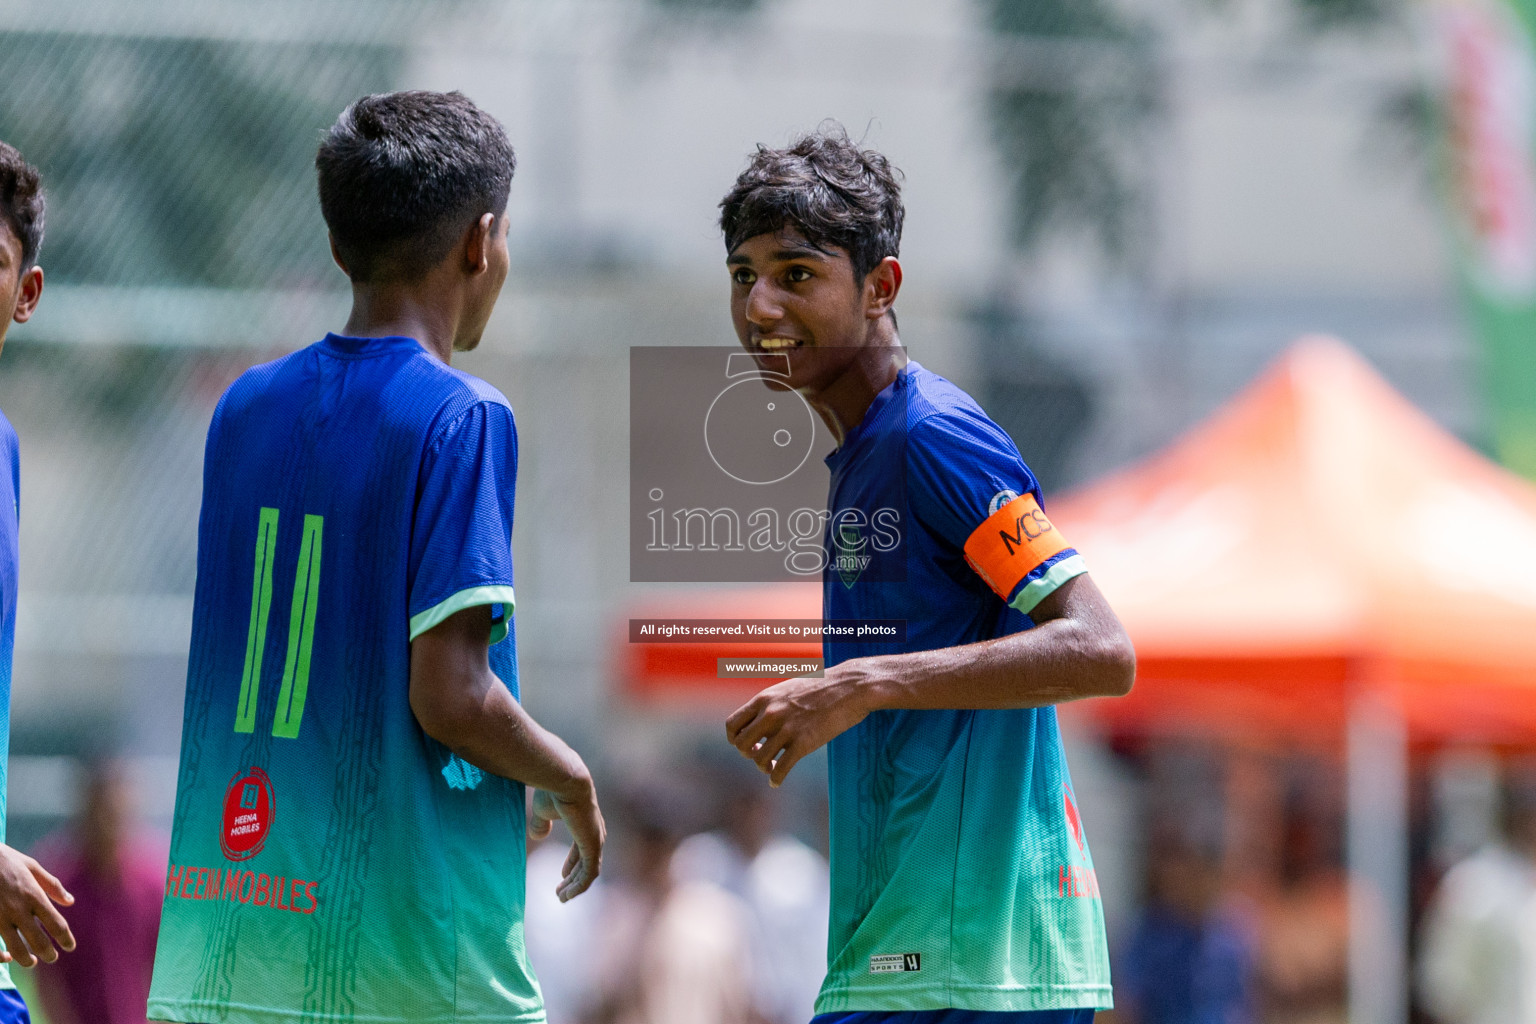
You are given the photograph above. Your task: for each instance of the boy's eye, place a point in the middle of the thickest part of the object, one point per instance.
(741, 275)
(798, 274)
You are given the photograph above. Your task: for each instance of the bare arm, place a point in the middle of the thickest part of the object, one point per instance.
(461, 703)
(1077, 649)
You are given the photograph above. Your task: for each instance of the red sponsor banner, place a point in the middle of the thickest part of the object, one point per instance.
(1489, 99)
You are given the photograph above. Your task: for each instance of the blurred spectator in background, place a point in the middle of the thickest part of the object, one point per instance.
(1478, 960)
(1304, 921)
(783, 883)
(1190, 959)
(116, 870)
(665, 950)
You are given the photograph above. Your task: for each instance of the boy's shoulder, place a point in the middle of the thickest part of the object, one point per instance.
(936, 406)
(931, 395)
(413, 383)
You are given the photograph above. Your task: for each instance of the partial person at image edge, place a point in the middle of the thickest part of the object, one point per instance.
(1477, 949)
(30, 925)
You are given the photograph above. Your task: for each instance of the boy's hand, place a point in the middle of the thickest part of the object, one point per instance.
(28, 920)
(585, 821)
(791, 719)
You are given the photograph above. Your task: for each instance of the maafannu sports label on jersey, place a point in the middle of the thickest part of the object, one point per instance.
(1011, 543)
(895, 963)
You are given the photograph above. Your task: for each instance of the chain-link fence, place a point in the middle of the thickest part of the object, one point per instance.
(182, 245)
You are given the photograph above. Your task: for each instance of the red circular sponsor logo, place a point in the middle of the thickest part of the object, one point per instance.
(248, 814)
(1074, 821)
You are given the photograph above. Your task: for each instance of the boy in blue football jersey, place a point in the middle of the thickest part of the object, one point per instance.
(962, 886)
(30, 925)
(348, 840)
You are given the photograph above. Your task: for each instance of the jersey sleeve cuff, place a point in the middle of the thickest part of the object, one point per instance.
(1044, 585)
(469, 598)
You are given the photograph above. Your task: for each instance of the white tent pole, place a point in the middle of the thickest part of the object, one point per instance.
(1377, 852)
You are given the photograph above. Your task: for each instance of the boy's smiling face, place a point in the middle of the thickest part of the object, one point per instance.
(791, 297)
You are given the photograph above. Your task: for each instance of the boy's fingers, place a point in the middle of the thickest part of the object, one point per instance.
(51, 885)
(56, 926)
(744, 716)
(35, 938)
(766, 754)
(584, 861)
(579, 883)
(739, 718)
(749, 735)
(18, 950)
(787, 760)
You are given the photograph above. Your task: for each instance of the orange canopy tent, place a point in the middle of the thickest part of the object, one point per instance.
(1317, 538)
(1320, 561)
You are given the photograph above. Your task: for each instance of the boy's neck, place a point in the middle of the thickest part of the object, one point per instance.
(844, 403)
(394, 310)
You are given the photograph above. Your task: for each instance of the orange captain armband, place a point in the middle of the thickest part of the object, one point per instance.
(1013, 542)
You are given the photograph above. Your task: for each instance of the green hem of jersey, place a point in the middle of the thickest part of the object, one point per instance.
(237, 1013)
(1042, 588)
(6, 984)
(474, 596)
(979, 998)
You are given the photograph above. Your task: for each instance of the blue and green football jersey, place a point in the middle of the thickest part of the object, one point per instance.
(10, 514)
(330, 861)
(961, 876)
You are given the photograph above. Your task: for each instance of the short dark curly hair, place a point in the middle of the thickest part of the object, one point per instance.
(403, 174)
(826, 186)
(21, 202)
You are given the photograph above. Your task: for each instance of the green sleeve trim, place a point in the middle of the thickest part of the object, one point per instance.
(423, 621)
(1046, 585)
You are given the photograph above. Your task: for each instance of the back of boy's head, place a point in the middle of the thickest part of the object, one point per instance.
(829, 189)
(21, 203)
(404, 174)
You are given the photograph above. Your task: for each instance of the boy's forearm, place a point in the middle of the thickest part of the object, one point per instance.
(1077, 649)
(459, 701)
(500, 737)
(1056, 662)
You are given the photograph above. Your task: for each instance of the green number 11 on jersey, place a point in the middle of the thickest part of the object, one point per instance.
(301, 627)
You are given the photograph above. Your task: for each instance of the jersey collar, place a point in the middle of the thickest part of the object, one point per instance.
(872, 417)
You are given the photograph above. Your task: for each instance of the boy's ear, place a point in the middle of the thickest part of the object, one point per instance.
(477, 244)
(30, 291)
(881, 288)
